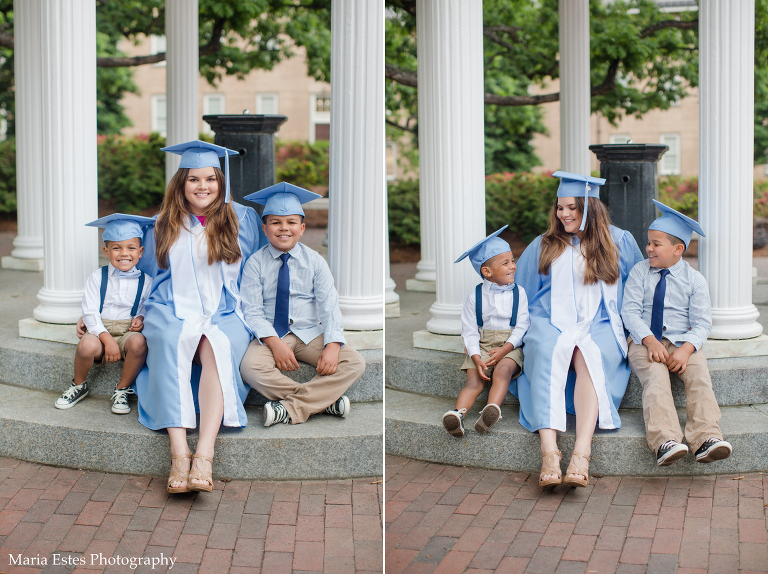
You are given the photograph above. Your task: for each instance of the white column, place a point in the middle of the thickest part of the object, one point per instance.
(27, 251)
(357, 177)
(66, 154)
(391, 299)
(726, 132)
(451, 144)
(574, 86)
(181, 29)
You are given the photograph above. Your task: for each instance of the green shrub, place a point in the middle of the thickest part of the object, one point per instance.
(302, 164)
(681, 194)
(8, 176)
(403, 201)
(131, 172)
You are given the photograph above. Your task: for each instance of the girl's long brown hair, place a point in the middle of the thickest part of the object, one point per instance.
(600, 252)
(221, 225)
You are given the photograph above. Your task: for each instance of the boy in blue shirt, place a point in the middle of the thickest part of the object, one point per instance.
(667, 312)
(494, 321)
(113, 312)
(291, 306)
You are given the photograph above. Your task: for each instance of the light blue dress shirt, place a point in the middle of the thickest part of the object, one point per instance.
(313, 308)
(687, 310)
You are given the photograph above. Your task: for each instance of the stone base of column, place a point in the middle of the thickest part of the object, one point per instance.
(418, 285)
(365, 339)
(392, 309)
(738, 323)
(10, 262)
(727, 348)
(449, 343)
(59, 333)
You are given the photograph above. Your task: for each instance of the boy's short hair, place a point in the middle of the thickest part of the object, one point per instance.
(107, 241)
(264, 217)
(675, 240)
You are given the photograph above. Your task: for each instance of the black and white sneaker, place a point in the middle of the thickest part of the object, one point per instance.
(73, 395)
(275, 412)
(120, 401)
(340, 408)
(669, 452)
(453, 421)
(713, 449)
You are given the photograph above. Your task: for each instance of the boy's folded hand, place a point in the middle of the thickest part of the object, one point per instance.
(137, 324)
(285, 360)
(678, 360)
(657, 353)
(80, 330)
(111, 350)
(329, 359)
(481, 367)
(498, 354)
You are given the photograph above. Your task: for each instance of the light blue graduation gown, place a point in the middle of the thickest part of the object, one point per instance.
(158, 385)
(532, 388)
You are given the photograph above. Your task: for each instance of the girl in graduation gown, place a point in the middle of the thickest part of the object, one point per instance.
(195, 331)
(576, 348)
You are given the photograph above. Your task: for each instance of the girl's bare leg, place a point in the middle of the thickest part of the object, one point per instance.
(211, 401)
(585, 403)
(548, 439)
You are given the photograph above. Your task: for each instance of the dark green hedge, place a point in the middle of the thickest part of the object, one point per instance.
(523, 201)
(132, 171)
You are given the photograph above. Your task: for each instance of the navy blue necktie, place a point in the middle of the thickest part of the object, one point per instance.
(281, 297)
(657, 315)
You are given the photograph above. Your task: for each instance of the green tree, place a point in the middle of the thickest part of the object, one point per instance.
(235, 38)
(641, 59)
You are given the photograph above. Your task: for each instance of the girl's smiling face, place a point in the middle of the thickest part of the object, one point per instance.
(568, 214)
(201, 189)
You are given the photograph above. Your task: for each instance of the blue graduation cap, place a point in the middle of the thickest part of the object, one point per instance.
(121, 226)
(675, 223)
(577, 185)
(196, 154)
(483, 250)
(282, 199)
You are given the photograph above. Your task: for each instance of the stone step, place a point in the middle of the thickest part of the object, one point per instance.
(414, 429)
(48, 366)
(88, 436)
(736, 381)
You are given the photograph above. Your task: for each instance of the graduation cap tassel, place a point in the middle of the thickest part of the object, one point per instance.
(586, 206)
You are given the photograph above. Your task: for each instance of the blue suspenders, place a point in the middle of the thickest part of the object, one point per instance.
(479, 305)
(135, 308)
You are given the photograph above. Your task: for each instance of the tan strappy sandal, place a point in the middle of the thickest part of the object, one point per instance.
(195, 474)
(179, 475)
(550, 465)
(579, 465)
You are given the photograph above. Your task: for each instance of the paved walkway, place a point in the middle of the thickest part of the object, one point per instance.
(449, 519)
(241, 527)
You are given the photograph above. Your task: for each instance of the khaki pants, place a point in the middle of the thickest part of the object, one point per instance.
(118, 328)
(493, 339)
(661, 421)
(300, 399)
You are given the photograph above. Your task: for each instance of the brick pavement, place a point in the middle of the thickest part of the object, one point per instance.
(242, 527)
(445, 519)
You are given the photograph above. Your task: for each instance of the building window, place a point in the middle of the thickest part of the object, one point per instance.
(391, 161)
(619, 138)
(670, 161)
(157, 45)
(267, 103)
(319, 117)
(213, 105)
(159, 116)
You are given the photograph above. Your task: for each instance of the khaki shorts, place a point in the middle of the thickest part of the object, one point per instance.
(119, 330)
(493, 339)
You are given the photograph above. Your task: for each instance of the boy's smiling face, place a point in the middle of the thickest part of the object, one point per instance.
(500, 269)
(283, 231)
(662, 253)
(124, 254)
